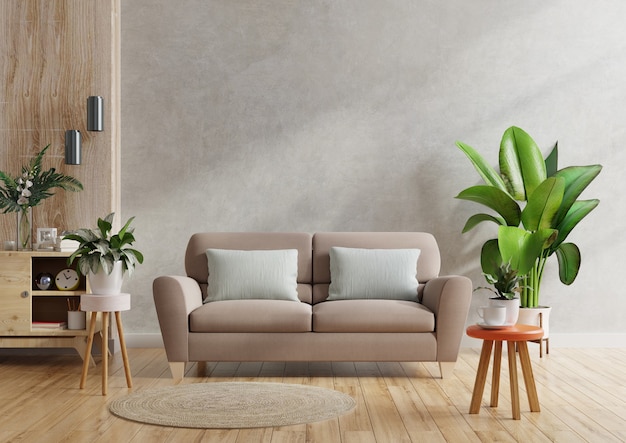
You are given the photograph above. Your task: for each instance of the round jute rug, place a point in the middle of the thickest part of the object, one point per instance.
(233, 405)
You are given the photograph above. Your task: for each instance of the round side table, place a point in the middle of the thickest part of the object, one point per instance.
(105, 304)
(515, 336)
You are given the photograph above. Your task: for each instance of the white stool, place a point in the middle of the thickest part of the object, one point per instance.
(105, 304)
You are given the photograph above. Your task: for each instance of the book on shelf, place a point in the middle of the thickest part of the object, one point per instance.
(68, 245)
(50, 324)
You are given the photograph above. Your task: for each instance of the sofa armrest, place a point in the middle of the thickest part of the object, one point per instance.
(449, 297)
(174, 298)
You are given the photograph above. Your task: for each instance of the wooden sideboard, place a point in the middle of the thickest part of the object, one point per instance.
(22, 302)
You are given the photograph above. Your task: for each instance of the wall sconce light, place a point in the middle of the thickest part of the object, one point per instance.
(72, 147)
(95, 113)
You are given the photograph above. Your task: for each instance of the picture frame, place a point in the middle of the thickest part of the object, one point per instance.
(46, 237)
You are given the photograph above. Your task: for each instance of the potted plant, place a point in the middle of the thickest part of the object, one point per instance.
(34, 185)
(104, 257)
(505, 284)
(537, 207)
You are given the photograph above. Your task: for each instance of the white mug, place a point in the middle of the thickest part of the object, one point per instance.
(492, 315)
(76, 319)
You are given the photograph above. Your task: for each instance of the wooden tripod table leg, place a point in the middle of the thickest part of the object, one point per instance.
(513, 380)
(495, 381)
(481, 377)
(87, 359)
(105, 351)
(529, 379)
(120, 330)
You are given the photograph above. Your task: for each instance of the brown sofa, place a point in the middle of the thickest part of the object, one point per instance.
(428, 328)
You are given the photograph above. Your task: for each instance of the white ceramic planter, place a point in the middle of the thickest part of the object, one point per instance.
(531, 316)
(102, 283)
(512, 308)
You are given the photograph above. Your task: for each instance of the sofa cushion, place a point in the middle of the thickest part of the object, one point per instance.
(357, 273)
(258, 274)
(428, 266)
(372, 316)
(251, 316)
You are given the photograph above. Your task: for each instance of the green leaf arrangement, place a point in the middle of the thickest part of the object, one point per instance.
(33, 185)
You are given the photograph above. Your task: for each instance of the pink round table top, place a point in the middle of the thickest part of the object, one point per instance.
(509, 333)
(105, 302)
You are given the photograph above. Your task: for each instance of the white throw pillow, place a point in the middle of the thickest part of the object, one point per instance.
(258, 274)
(373, 274)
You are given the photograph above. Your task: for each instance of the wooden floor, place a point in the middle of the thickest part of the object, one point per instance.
(582, 395)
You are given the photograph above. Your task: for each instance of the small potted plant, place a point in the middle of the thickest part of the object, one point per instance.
(103, 257)
(505, 284)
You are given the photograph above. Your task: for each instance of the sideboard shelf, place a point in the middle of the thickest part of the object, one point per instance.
(56, 293)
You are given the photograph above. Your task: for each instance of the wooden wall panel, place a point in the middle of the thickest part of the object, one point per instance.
(54, 54)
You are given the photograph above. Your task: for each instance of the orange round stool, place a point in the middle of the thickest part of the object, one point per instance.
(513, 335)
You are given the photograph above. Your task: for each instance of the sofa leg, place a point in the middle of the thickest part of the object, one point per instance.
(446, 368)
(177, 368)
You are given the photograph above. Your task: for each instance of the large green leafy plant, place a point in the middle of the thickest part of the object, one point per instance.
(537, 207)
(99, 249)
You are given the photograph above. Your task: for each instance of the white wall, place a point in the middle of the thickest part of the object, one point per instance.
(321, 115)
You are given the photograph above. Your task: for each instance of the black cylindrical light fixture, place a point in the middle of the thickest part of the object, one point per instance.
(95, 113)
(72, 147)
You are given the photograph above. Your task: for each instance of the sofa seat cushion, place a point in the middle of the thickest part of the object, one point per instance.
(251, 316)
(372, 316)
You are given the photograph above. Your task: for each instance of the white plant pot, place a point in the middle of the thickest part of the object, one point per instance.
(539, 316)
(512, 308)
(102, 283)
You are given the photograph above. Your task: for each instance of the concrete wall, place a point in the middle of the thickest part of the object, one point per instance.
(322, 115)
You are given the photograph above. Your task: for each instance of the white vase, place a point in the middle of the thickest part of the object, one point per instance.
(539, 316)
(102, 283)
(512, 308)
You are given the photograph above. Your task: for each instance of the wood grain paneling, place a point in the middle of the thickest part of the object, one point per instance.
(56, 53)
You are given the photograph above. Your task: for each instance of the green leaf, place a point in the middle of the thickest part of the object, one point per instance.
(136, 255)
(495, 199)
(125, 227)
(522, 248)
(577, 212)
(485, 170)
(478, 218)
(552, 161)
(70, 184)
(543, 204)
(577, 178)
(490, 258)
(104, 225)
(569, 259)
(521, 163)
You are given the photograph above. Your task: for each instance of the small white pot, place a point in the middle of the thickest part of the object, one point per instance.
(512, 308)
(539, 316)
(102, 283)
